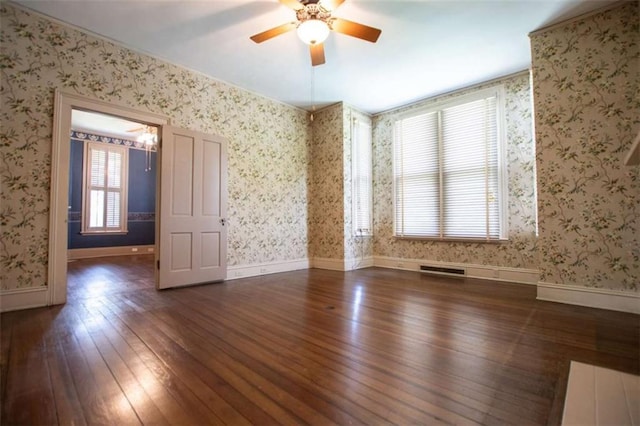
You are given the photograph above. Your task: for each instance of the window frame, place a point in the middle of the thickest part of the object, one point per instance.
(502, 163)
(87, 187)
(356, 148)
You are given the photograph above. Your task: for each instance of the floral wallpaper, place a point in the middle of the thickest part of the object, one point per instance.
(268, 141)
(289, 180)
(326, 195)
(587, 101)
(330, 233)
(520, 250)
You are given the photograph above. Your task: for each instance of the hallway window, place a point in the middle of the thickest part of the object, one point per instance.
(362, 178)
(105, 188)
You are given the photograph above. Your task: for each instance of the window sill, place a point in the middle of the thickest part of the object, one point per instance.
(363, 236)
(453, 240)
(102, 233)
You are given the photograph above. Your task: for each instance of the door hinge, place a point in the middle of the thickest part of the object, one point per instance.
(158, 264)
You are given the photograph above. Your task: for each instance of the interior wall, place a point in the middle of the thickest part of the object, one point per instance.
(520, 250)
(330, 201)
(586, 77)
(326, 194)
(268, 141)
(141, 202)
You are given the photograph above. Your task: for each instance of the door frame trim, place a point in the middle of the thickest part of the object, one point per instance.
(64, 103)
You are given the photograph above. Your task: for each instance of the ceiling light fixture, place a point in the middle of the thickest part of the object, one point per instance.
(149, 137)
(313, 31)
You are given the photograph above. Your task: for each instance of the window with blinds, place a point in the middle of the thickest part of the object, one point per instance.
(362, 176)
(105, 188)
(449, 171)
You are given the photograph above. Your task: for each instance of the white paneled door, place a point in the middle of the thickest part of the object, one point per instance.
(193, 208)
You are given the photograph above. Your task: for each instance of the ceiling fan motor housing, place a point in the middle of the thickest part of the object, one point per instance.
(313, 10)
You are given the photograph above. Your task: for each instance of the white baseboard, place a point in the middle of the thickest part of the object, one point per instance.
(486, 272)
(342, 264)
(624, 301)
(244, 271)
(358, 263)
(14, 300)
(86, 253)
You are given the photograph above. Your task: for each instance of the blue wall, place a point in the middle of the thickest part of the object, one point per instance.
(141, 203)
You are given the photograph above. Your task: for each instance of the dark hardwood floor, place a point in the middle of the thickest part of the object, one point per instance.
(371, 346)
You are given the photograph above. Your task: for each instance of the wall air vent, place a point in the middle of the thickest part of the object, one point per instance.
(438, 270)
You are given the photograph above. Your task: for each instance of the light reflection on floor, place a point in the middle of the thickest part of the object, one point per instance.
(355, 312)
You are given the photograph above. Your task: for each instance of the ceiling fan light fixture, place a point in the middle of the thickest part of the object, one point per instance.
(313, 31)
(148, 137)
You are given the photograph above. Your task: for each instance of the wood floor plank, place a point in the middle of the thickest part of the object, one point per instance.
(324, 360)
(100, 395)
(6, 328)
(189, 368)
(68, 406)
(302, 335)
(154, 378)
(373, 346)
(264, 375)
(29, 396)
(169, 370)
(258, 345)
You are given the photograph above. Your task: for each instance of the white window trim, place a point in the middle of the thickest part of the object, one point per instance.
(359, 232)
(124, 192)
(503, 194)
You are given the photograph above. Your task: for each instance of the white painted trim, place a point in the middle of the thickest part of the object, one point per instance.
(358, 263)
(486, 272)
(14, 300)
(256, 269)
(633, 156)
(86, 253)
(342, 264)
(88, 185)
(600, 396)
(624, 301)
(64, 103)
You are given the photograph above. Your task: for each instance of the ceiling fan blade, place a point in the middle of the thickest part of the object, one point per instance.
(269, 34)
(293, 4)
(317, 54)
(354, 29)
(331, 4)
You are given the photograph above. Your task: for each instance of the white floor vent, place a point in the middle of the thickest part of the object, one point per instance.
(438, 270)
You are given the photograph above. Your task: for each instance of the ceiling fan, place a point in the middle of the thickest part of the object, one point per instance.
(314, 23)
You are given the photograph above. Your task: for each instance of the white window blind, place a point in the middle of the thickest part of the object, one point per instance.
(362, 177)
(448, 171)
(105, 188)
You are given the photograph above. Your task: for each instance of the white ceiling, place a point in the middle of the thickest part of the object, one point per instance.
(105, 125)
(426, 47)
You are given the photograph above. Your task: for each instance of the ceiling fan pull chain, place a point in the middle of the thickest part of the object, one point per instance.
(313, 89)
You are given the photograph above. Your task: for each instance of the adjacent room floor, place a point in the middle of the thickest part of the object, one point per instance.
(371, 346)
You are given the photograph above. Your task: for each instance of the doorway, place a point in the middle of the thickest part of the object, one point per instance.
(112, 207)
(65, 105)
(191, 199)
